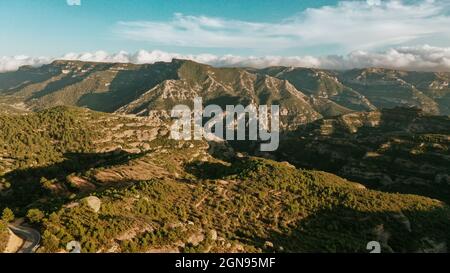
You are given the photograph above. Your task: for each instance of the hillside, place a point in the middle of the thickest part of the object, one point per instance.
(258, 206)
(116, 183)
(224, 86)
(396, 150)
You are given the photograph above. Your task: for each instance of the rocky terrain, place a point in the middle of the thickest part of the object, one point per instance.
(306, 94)
(370, 89)
(116, 183)
(397, 150)
(141, 89)
(85, 155)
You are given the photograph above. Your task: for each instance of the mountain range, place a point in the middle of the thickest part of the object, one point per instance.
(307, 94)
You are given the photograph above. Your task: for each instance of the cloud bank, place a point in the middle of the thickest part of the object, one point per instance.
(348, 26)
(11, 63)
(420, 58)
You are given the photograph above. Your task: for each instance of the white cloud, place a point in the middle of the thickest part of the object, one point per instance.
(423, 58)
(204, 32)
(8, 63)
(349, 25)
(98, 56)
(420, 58)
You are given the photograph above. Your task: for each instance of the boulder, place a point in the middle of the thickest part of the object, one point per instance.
(93, 202)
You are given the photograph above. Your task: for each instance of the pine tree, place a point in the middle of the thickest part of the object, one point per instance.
(35, 215)
(8, 215)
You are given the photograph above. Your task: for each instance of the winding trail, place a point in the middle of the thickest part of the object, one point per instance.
(31, 237)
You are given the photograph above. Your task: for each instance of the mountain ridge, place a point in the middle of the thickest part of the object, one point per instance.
(109, 87)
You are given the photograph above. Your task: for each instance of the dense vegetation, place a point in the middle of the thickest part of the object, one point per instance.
(35, 150)
(399, 150)
(190, 196)
(36, 139)
(256, 205)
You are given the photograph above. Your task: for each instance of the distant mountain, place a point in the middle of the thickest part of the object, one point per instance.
(136, 89)
(325, 89)
(387, 88)
(304, 94)
(372, 88)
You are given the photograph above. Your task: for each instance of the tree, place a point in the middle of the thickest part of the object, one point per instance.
(8, 215)
(35, 215)
(50, 242)
(54, 218)
(46, 184)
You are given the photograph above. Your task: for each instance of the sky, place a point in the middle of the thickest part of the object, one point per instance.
(407, 34)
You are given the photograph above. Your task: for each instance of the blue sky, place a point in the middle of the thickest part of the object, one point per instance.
(43, 27)
(318, 33)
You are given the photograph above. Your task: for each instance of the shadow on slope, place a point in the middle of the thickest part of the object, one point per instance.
(127, 86)
(11, 82)
(276, 208)
(345, 230)
(66, 81)
(48, 186)
(401, 150)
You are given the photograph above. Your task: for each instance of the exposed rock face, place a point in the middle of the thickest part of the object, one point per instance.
(80, 183)
(304, 94)
(225, 87)
(146, 89)
(196, 238)
(328, 95)
(369, 89)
